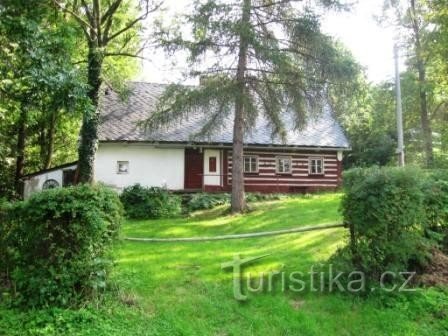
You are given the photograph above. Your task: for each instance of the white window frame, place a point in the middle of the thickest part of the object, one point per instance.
(251, 157)
(118, 167)
(277, 164)
(310, 165)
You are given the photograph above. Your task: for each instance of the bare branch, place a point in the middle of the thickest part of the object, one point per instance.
(88, 13)
(137, 20)
(83, 23)
(111, 11)
(437, 109)
(125, 54)
(96, 18)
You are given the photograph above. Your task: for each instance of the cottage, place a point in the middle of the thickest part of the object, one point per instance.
(173, 157)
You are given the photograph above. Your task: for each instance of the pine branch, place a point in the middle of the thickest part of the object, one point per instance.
(275, 3)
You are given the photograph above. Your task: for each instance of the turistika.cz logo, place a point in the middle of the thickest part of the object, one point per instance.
(314, 280)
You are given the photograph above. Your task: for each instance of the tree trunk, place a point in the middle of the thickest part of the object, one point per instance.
(49, 142)
(89, 128)
(238, 197)
(426, 126)
(421, 69)
(20, 159)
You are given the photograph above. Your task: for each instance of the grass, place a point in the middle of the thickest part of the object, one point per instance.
(180, 288)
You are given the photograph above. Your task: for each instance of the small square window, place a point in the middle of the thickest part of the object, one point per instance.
(250, 164)
(284, 165)
(316, 166)
(122, 167)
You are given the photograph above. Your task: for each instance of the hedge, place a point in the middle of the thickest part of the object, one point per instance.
(385, 208)
(150, 202)
(435, 189)
(57, 245)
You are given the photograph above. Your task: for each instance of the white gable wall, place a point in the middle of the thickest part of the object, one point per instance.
(148, 165)
(35, 183)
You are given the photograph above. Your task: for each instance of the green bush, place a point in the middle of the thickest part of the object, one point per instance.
(259, 197)
(58, 245)
(435, 189)
(142, 203)
(4, 205)
(203, 201)
(385, 207)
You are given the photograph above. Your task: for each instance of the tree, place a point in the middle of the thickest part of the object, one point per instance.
(110, 29)
(437, 18)
(261, 57)
(410, 20)
(37, 76)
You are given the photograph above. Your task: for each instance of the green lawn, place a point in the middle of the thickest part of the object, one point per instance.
(180, 288)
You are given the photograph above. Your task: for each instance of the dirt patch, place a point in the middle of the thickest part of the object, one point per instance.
(296, 304)
(436, 273)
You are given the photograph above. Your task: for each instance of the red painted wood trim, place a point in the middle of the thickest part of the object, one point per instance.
(194, 169)
(225, 168)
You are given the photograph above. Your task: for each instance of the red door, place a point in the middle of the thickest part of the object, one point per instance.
(194, 168)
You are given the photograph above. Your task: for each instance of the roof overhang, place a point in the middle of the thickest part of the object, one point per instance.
(165, 144)
(44, 171)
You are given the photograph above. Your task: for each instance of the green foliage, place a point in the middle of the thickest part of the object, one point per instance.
(259, 197)
(385, 208)
(435, 189)
(203, 201)
(58, 244)
(149, 202)
(41, 89)
(292, 63)
(6, 179)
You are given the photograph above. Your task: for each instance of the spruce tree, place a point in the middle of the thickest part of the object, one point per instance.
(257, 57)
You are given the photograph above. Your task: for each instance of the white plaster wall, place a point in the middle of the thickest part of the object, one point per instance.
(34, 184)
(148, 165)
(212, 178)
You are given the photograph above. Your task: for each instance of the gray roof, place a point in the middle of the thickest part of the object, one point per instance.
(120, 121)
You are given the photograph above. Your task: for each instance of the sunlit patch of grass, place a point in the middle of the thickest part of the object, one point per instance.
(265, 216)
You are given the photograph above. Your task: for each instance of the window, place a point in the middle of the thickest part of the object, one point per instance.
(212, 164)
(250, 164)
(316, 166)
(122, 167)
(68, 177)
(50, 184)
(284, 165)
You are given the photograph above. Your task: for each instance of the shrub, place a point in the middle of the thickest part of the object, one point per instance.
(435, 189)
(4, 205)
(142, 203)
(203, 201)
(58, 244)
(259, 197)
(384, 207)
